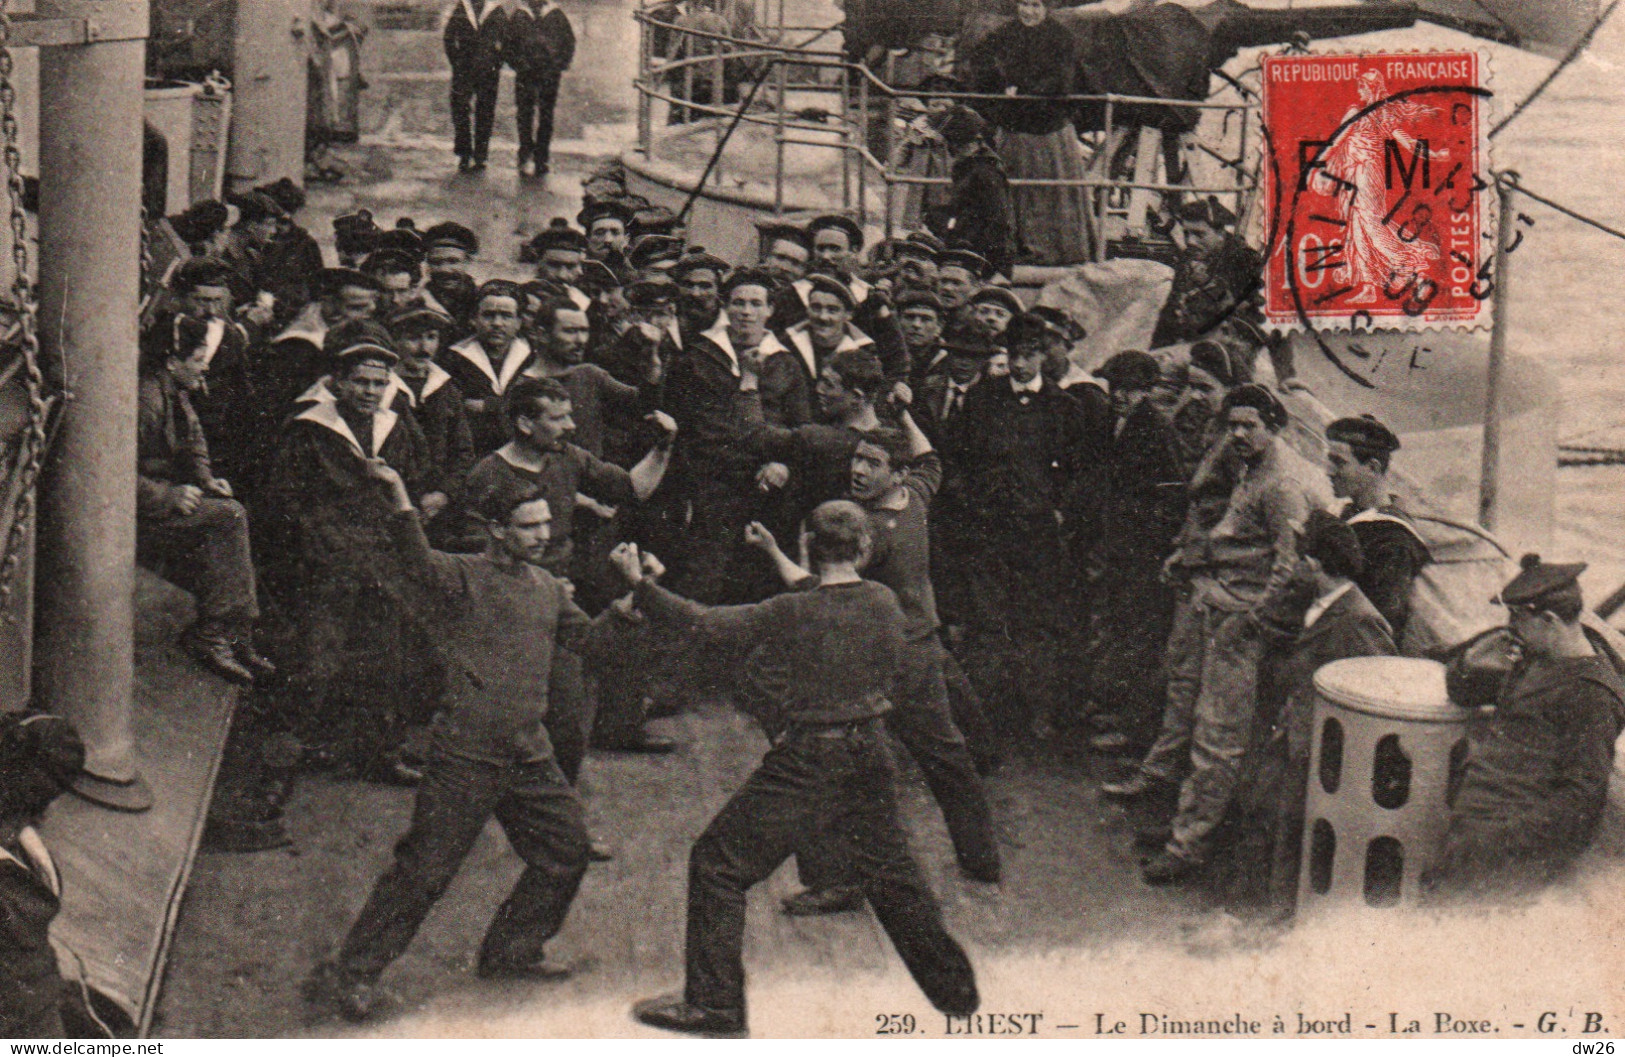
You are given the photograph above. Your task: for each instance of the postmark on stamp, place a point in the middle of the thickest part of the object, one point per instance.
(1376, 182)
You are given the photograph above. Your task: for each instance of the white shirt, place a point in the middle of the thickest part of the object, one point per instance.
(1033, 386)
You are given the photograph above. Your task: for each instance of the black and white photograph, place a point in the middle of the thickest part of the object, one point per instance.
(812, 519)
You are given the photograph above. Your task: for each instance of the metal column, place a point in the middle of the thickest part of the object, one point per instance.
(268, 92)
(89, 237)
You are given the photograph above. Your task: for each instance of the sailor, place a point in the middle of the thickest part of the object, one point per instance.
(473, 40)
(786, 252)
(699, 276)
(540, 44)
(435, 398)
(1358, 451)
(1216, 274)
(560, 336)
(489, 361)
(1235, 570)
(40, 756)
(326, 528)
(920, 316)
(1539, 761)
(399, 274)
(916, 257)
(654, 255)
(607, 225)
(827, 328)
(960, 273)
(893, 476)
(295, 358)
(840, 648)
(559, 250)
(449, 249)
(498, 619)
(354, 235)
(187, 518)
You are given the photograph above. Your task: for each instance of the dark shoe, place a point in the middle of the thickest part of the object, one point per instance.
(1165, 868)
(984, 874)
(673, 1014)
(253, 660)
(542, 168)
(539, 971)
(1152, 837)
(816, 901)
(218, 656)
(464, 163)
(1113, 741)
(652, 744)
(354, 1000)
(244, 836)
(478, 165)
(1140, 784)
(598, 851)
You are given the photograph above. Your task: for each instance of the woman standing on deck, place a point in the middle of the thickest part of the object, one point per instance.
(1036, 55)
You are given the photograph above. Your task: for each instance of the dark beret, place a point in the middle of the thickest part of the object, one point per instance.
(605, 209)
(256, 206)
(772, 233)
(653, 220)
(1065, 326)
(1259, 399)
(391, 262)
(825, 284)
(359, 339)
(1539, 583)
(836, 222)
(999, 295)
(1220, 362)
(1130, 369)
(651, 250)
(920, 244)
(332, 280)
(558, 235)
(696, 259)
(355, 232)
(749, 277)
(969, 260)
(1363, 434)
(652, 293)
(200, 271)
(917, 298)
(285, 193)
(402, 240)
(961, 125)
(200, 221)
(417, 317)
(1026, 330)
(451, 233)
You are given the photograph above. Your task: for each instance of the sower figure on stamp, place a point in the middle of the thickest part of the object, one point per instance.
(498, 618)
(835, 652)
(894, 474)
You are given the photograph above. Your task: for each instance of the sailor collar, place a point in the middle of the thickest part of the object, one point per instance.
(306, 326)
(326, 413)
(801, 337)
(518, 355)
(718, 335)
(431, 385)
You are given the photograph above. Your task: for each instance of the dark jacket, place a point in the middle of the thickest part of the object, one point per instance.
(700, 393)
(979, 215)
(1020, 455)
(471, 45)
(170, 447)
(538, 47)
(1145, 491)
(1032, 60)
(1394, 554)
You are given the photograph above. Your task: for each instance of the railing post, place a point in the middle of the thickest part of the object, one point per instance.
(778, 133)
(645, 100)
(846, 135)
(718, 97)
(858, 155)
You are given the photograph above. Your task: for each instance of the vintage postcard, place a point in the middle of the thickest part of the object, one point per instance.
(827, 519)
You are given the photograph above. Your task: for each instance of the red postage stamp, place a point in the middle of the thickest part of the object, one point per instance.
(1375, 179)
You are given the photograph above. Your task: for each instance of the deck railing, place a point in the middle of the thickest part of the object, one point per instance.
(872, 114)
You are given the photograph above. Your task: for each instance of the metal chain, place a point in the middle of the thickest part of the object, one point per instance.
(24, 471)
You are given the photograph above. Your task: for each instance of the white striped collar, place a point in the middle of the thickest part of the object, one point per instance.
(801, 338)
(431, 385)
(326, 413)
(718, 334)
(517, 357)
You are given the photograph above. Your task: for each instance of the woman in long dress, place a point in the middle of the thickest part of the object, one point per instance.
(1036, 55)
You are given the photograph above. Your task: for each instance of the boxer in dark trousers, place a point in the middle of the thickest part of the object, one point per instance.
(473, 38)
(498, 619)
(834, 653)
